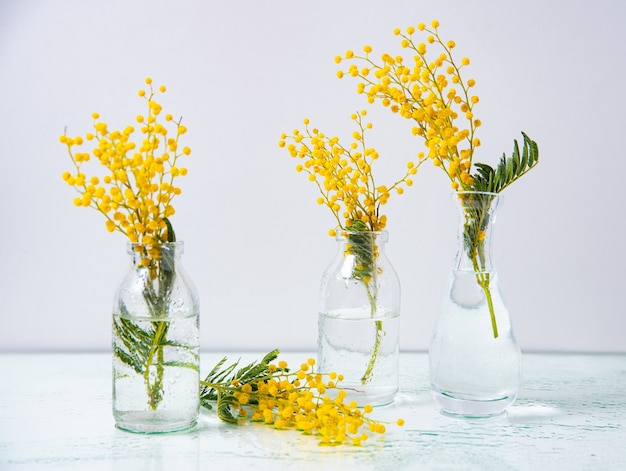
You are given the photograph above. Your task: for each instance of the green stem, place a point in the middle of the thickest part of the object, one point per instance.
(362, 244)
(372, 294)
(367, 376)
(155, 389)
(483, 281)
(157, 303)
(475, 224)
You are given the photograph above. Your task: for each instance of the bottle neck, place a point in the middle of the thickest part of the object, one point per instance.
(360, 253)
(362, 239)
(158, 258)
(477, 216)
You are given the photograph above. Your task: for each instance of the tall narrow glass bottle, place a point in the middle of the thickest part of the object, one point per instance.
(475, 361)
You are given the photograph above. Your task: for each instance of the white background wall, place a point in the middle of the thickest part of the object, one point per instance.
(242, 72)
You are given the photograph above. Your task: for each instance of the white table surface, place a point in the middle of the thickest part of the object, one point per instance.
(55, 413)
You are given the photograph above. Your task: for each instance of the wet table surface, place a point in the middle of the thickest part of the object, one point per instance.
(55, 413)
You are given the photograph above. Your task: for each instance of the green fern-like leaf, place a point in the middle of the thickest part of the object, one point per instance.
(509, 169)
(253, 371)
(136, 344)
(216, 376)
(216, 387)
(225, 404)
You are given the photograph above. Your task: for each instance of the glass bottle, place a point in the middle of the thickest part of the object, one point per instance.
(156, 343)
(474, 359)
(359, 318)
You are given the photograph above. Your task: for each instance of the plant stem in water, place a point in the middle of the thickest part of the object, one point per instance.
(378, 335)
(155, 388)
(367, 376)
(483, 281)
(362, 244)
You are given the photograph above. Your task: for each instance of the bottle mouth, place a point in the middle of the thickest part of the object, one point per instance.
(136, 247)
(473, 192)
(379, 236)
(477, 199)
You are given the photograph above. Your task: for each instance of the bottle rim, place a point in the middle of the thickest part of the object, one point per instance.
(135, 247)
(381, 236)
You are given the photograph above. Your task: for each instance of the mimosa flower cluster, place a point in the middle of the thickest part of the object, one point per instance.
(343, 175)
(298, 400)
(428, 89)
(136, 191)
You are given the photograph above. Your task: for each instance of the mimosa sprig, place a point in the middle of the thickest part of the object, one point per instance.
(272, 394)
(344, 177)
(134, 190)
(428, 89)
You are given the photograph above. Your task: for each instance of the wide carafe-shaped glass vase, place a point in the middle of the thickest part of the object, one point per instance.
(475, 361)
(156, 343)
(359, 318)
